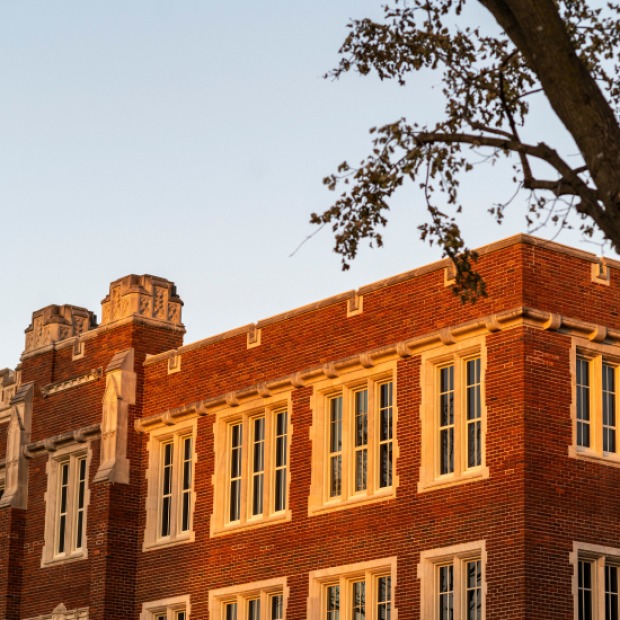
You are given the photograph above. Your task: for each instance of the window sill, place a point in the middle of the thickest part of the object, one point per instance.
(443, 482)
(164, 543)
(233, 528)
(64, 559)
(612, 460)
(352, 502)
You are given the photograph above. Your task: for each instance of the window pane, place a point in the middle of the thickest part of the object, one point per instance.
(474, 590)
(277, 607)
(235, 473)
(385, 434)
(358, 604)
(384, 597)
(609, 408)
(335, 447)
(584, 601)
(333, 603)
(361, 440)
(166, 488)
(258, 465)
(446, 593)
(280, 461)
(474, 450)
(79, 508)
(611, 592)
(446, 420)
(583, 402)
(254, 609)
(186, 483)
(231, 611)
(63, 498)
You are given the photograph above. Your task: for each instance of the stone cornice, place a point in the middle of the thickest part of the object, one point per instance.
(60, 386)
(54, 443)
(405, 348)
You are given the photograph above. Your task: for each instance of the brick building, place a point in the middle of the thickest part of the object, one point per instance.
(385, 453)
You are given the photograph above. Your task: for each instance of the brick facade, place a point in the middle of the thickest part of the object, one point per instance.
(117, 393)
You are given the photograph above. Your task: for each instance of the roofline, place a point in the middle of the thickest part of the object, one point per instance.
(502, 244)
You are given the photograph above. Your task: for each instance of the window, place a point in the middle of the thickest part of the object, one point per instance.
(175, 608)
(453, 584)
(252, 486)
(596, 403)
(354, 439)
(596, 584)
(453, 414)
(170, 477)
(66, 503)
(264, 600)
(355, 592)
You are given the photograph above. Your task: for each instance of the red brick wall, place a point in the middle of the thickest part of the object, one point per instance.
(534, 504)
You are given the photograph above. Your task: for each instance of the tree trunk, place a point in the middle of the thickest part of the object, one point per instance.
(535, 27)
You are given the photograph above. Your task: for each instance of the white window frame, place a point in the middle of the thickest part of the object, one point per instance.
(242, 594)
(599, 557)
(344, 577)
(71, 457)
(458, 556)
(345, 387)
(596, 356)
(275, 467)
(170, 606)
(174, 436)
(432, 363)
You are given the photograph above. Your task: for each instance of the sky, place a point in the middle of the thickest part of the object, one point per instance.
(189, 139)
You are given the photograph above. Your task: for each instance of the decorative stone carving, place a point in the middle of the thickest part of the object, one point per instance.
(54, 323)
(62, 613)
(60, 386)
(120, 392)
(16, 474)
(8, 386)
(142, 296)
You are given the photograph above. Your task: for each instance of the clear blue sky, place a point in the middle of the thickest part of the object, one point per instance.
(188, 139)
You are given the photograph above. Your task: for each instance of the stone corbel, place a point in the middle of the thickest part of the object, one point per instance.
(120, 392)
(16, 472)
